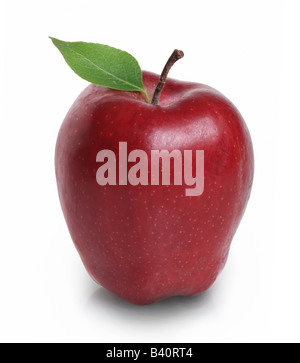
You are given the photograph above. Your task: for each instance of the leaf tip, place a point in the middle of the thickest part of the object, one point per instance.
(56, 41)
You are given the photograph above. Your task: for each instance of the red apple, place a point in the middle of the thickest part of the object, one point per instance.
(145, 243)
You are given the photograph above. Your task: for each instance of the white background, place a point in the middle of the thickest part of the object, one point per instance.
(249, 50)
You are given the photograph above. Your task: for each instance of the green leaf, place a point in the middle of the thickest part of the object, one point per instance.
(102, 65)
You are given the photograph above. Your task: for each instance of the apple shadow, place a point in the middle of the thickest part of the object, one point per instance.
(161, 311)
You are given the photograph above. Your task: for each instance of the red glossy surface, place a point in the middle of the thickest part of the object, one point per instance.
(146, 243)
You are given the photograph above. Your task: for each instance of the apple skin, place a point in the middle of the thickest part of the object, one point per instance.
(148, 243)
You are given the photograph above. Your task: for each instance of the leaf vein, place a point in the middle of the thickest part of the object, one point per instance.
(106, 72)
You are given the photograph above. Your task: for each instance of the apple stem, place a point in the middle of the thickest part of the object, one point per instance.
(177, 54)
